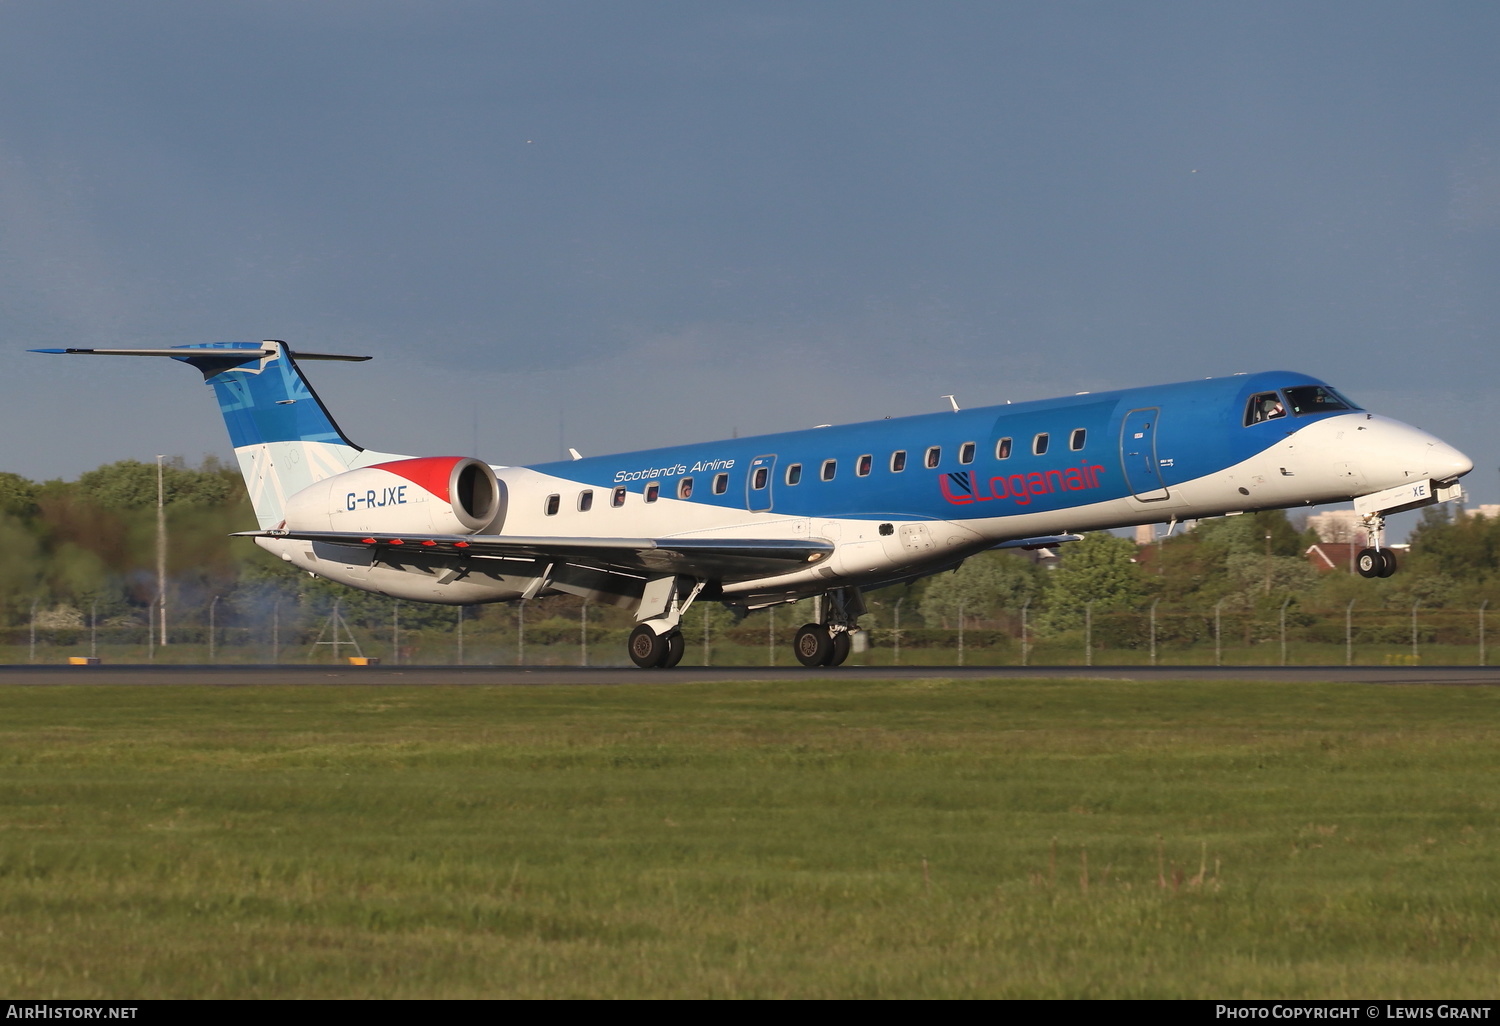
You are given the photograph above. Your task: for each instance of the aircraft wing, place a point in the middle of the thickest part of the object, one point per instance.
(716, 558)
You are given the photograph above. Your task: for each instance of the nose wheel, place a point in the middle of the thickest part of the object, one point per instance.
(1376, 561)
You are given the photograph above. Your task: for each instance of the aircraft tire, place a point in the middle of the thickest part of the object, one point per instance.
(812, 645)
(842, 643)
(676, 645)
(1388, 561)
(1369, 562)
(647, 648)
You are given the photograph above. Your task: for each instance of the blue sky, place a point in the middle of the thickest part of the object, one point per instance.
(619, 225)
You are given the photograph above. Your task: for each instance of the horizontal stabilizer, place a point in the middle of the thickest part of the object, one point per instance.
(249, 354)
(720, 559)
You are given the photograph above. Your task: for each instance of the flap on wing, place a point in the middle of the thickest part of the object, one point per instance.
(1045, 542)
(717, 558)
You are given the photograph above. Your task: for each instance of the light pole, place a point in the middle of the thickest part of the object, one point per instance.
(213, 609)
(161, 550)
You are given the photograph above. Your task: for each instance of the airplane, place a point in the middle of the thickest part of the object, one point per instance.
(826, 513)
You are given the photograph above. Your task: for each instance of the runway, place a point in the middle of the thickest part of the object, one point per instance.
(538, 676)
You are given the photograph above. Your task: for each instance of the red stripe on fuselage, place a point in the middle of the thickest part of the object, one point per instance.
(430, 472)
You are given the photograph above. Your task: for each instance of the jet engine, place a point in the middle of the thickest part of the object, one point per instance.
(426, 495)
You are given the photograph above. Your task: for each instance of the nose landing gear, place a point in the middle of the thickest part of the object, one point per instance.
(1376, 561)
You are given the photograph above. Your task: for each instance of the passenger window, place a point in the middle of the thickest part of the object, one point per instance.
(966, 453)
(830, 468)
(652, 491)
(1002, 449)
(898, 461)
(1264, 406)
(721, 484)
(1079, 437)
(554, 501)
(934, 456)
(862, 468)
(685, 488)
(794, 474)
(759, 480)
(618, 498)
(1039, 444)
(585, 500)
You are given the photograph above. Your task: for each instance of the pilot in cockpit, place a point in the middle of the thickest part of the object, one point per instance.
(1265, 406)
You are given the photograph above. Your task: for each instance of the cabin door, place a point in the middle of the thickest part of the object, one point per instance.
(1138, 454)
(758, 484)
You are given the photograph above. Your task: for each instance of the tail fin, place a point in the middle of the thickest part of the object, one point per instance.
(282, 433)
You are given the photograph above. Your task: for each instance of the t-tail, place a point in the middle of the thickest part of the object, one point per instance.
(282, 433)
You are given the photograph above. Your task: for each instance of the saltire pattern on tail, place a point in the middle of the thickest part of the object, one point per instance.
(283, 436)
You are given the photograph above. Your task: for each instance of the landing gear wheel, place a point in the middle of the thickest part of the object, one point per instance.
(647, 648)
(1370, 563)
(842, 642)
(813, 645)
(675, 647)
(1388, 558)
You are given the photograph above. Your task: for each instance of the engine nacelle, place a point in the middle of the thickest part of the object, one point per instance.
(428, 495)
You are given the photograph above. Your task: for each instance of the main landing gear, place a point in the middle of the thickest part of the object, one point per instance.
(648, 648)
(1376, 561)
(657, 640)
(828, 642)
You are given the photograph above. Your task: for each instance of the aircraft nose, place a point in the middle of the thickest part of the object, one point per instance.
(1448, 462)
(1409, 453)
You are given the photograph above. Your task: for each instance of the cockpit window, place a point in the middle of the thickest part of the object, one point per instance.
(1309, 399)
(1264, 406)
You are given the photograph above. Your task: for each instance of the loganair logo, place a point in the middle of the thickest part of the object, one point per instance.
(961, 488)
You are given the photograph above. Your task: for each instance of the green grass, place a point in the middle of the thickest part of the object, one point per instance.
(822, 839)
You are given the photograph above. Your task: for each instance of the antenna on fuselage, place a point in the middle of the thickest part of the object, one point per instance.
(952, 402)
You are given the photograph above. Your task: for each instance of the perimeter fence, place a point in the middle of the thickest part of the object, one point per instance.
(1290, 637)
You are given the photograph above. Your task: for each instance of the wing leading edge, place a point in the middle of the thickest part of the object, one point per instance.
(717, 559)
